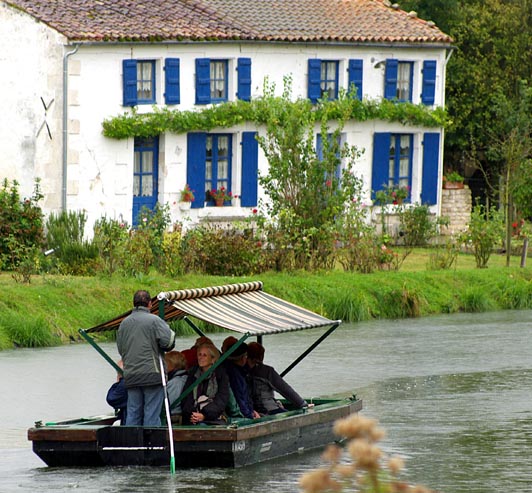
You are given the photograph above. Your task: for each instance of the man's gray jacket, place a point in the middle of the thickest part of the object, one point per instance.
(141, 337)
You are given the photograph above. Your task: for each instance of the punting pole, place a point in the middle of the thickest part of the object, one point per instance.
(168, 417)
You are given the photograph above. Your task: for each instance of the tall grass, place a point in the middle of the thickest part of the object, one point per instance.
(51, 309)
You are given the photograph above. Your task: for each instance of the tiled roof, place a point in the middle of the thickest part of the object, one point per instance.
(349, 21)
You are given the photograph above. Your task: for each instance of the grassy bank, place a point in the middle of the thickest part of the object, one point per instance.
(51, 309)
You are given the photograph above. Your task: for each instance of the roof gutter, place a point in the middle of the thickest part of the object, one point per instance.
(65, 126)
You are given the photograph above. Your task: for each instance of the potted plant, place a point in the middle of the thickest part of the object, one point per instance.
(453, 180)
(392, 195)
(220, 196)
(186, 197)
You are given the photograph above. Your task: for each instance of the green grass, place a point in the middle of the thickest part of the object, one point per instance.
(51, 309)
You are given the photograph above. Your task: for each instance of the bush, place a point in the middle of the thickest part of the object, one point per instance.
(110, 238)
(217, 251)
(21, 224)
(65, 235)
(485, 230)
(417, 225)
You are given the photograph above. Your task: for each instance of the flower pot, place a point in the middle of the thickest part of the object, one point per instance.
(185, 206)
(219, 202)
(453, 185)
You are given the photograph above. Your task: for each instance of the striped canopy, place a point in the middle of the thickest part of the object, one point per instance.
(243, 308)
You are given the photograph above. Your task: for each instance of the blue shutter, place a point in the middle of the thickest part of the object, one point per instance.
(429, 82)
(355, 72)
(319, 147)
(171, 81)
(250, 169)
(390, 79)
(429, 181)
(381, 160)
(129, 82)
(203, 80)
(314, 79)
(196, 156)
(244, 79)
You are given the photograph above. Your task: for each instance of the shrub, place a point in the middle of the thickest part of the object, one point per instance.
(217, 251)
(110, 237)
(21, 223)
(65, 235)
(153, 224)
(171, 263)
(444, 257)
(138, 253)
(485, 230)
(417, 227)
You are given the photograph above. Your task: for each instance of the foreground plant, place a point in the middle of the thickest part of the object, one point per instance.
(364, 470)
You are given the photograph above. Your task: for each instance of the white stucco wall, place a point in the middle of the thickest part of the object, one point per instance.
(99, 169)
(31, 69)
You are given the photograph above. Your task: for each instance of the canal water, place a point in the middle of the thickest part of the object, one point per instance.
(453, 392)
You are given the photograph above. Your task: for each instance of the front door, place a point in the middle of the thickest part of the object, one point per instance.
(145, 175)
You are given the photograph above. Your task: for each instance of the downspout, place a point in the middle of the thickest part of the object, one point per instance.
(65, 127)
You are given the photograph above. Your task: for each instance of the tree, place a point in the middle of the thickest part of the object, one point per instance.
(308, 187)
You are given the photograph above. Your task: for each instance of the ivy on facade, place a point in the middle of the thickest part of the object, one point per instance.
(262, 110)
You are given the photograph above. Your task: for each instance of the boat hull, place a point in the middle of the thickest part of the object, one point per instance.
(96, 442)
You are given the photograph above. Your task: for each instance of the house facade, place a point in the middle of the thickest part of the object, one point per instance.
(71, 64)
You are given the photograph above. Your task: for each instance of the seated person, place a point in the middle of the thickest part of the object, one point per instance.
(117, 396)
(191, 355)
(265, 381)
(235, 366)
(207, 402)
(177, 376)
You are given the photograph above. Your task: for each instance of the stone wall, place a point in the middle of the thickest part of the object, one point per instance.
(456, 205)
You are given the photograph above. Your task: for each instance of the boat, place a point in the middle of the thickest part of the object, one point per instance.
(243, 308)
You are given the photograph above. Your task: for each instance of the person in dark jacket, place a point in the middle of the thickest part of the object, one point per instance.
(265, 381)
(207, 402)
(141, 339)
(117, 396)
(235, 366)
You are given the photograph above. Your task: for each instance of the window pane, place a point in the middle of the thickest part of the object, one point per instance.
(147, 186)
(136, 185)
(145, 80)
(137, 162)
(147, 162)
(218, 79)
(403, 81)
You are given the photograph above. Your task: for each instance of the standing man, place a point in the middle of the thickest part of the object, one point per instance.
(141, 338)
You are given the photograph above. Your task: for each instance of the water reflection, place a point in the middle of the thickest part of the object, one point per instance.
(451, 391)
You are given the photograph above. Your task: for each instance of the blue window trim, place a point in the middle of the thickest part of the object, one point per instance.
(171, 81)
(429, 181)
(355, 76)
(203, 80)
(224, 79)
(397, 160)
(250, 167)
(153, 80)
(382, 143)
(214, 181)
(129, 82)
(391, 75)
(428, 91)
(144, 145)
(329, 79)
(244, 79)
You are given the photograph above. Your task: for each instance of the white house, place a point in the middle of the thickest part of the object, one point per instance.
(67, 65)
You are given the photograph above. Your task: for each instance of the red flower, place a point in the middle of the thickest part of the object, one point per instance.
(255, 211)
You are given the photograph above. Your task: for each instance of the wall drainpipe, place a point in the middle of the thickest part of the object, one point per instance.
(65, 126)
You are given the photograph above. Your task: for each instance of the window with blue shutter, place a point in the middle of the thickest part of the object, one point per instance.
(129, 82)
(171, 81)
(250, 169)
(390, 79)
(355, 74)
(244, 79)
(381, 156)
(314, 79)
(196, 158)
(203, 81)
(429, 181)
(429, 82)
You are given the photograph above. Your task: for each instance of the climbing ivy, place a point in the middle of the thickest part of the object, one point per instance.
(262, 111)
